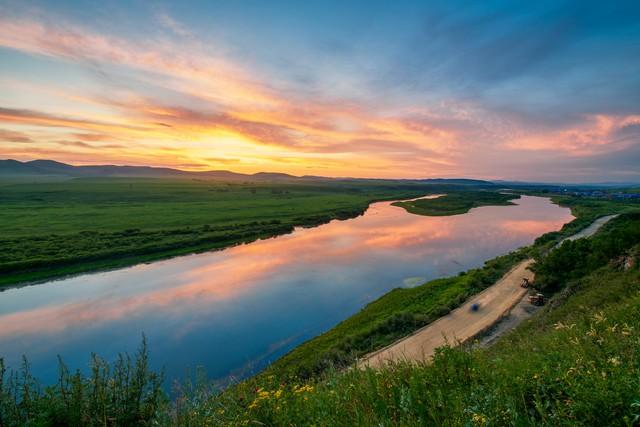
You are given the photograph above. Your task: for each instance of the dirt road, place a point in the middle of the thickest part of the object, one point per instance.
(591, 229)
(463, 323)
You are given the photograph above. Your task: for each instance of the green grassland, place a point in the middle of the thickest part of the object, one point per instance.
(456, 203)
(50, 229)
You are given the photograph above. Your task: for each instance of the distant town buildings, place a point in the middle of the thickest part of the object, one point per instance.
(599, 194)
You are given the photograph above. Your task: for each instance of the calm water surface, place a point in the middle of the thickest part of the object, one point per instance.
(234, 311)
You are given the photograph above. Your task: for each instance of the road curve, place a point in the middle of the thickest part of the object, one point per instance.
(459, 325)
(464, 323)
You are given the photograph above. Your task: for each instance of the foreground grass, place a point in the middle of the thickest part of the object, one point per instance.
(456, 203)
(67, 227)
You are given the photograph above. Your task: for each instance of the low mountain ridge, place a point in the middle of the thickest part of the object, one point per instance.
(52, 168)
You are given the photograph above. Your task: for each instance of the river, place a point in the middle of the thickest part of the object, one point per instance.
(233, 311)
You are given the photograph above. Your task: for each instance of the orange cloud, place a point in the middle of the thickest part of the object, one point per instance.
(596, 133)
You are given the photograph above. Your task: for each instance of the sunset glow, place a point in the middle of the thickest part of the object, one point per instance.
(406, 90)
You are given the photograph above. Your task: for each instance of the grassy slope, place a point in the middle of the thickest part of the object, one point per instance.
(57, 228)
(456, 203)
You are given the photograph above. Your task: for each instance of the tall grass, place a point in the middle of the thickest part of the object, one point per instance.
(120, 394)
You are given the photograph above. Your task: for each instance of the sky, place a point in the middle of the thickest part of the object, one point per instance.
(538, 91)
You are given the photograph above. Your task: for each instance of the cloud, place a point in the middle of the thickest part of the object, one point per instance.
(13, 136)
(91, 137)
(171, 24)
(485, 90)
(13, 115)
(187, 67)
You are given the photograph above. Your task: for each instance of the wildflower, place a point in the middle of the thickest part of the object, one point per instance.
(303, 389)
(615, 361)
(599, 317)
(278, 393)
(253, 405)
(478, 419)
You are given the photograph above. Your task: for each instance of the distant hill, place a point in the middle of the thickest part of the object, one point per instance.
(40, 168)
(51, 168)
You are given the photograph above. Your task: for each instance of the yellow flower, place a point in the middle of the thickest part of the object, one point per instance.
(479, 419)
(303, 389)
(615, 361)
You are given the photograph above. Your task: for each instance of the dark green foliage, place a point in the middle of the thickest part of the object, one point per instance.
(577, 258)
(126, 393)
(456, 203)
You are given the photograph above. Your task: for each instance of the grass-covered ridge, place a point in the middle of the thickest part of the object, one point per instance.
(456, 203)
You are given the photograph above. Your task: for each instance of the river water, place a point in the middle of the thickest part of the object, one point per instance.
(233, 311)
